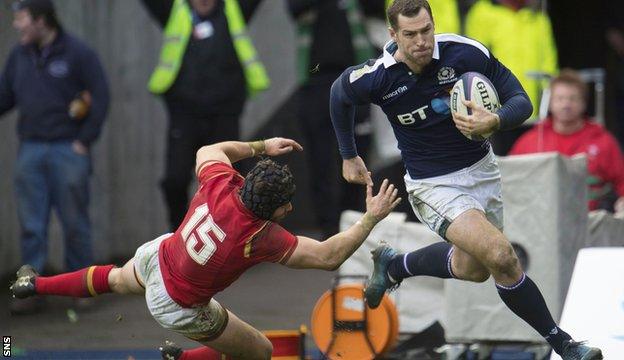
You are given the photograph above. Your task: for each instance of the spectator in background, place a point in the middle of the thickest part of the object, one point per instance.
(568, 131)
(46, 72)
(208, 65)
(615, 39)
(331, 36)
(520, 34)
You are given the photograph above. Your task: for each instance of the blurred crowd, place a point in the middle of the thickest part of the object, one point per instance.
(209, 67)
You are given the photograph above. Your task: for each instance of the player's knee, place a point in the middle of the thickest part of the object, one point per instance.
(478, 276)
(264, 350)
(502, 260)
(115, 281)
(474, 272)
(267, 352)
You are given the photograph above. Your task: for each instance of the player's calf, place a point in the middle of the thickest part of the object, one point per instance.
(475, 275)
(87, 282)
(466, 267)
(125, 280)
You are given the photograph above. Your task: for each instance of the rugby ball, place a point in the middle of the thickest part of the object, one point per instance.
(478, 88)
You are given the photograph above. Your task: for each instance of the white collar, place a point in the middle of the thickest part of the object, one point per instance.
(387, 58)
(436, 48)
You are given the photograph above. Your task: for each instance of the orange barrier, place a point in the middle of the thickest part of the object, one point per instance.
(344, 328)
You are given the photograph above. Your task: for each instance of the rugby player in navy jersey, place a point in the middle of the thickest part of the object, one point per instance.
(453, 182)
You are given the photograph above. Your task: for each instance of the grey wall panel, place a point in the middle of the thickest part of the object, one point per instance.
(8, 150)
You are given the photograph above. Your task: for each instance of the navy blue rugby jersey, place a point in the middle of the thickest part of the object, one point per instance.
(417, 105)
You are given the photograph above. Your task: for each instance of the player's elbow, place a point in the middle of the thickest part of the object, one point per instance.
(336, 87)
(326, 263)
(333, 266)
(337, 94)
(333, 261)
(336, 251)
(528, 107)
(523, 107)
(327, 260)
(200, 153)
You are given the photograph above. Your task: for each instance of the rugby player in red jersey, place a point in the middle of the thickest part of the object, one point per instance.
(231, 225)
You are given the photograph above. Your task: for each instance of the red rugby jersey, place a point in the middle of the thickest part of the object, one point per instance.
(218, 240)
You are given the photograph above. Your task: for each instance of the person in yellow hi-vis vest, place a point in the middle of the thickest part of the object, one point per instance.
(520, 35)
(208, 67)
(522, 38)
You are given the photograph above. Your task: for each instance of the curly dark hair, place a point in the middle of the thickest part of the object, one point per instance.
(267, 186)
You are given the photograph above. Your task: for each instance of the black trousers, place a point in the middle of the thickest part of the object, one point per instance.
(330, 194)
(188, 131)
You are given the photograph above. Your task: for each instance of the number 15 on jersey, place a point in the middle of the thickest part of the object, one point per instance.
(199, 234)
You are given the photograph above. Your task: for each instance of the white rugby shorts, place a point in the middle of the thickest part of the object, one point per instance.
(439, 200)
(202, 323)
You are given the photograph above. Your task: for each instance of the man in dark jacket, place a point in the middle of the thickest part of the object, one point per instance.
(207, 67)
(58, 84)
(330, 37)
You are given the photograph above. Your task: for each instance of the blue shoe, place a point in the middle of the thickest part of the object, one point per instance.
(573, 350)
(379, 281)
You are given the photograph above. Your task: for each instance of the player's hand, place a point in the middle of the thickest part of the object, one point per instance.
(79, 148)
(279, 146)
(354, 171)
(380, 205)
(481, 122)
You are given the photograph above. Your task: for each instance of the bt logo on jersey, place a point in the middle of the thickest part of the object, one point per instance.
(407, 119)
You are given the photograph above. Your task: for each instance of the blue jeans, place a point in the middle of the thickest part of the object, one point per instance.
(51, 175)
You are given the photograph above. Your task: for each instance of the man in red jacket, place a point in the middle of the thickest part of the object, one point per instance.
(569, 132)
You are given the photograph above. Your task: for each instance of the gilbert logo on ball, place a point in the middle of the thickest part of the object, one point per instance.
(478, 88)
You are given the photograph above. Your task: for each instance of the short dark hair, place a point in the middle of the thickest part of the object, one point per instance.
(39, 8)
(267, 186)
(573, 78)
(407, 8)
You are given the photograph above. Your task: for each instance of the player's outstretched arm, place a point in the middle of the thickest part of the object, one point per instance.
(331, 253)
(232, 151)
